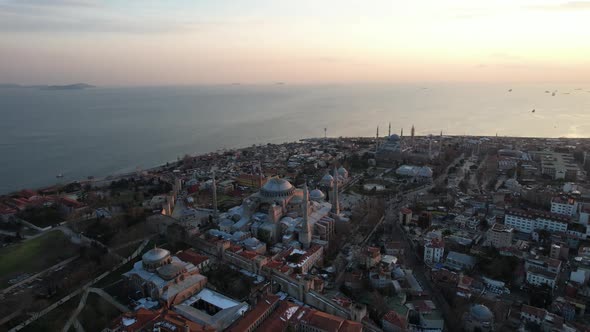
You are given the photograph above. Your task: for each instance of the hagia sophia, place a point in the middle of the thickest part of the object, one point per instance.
(284, 216)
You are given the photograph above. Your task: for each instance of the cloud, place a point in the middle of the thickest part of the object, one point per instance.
(58, 3)
(564, 6)
(78, 16)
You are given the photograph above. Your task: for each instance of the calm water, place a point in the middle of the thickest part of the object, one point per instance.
(109, 130)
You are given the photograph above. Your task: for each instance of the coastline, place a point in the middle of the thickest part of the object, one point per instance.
(159, 167)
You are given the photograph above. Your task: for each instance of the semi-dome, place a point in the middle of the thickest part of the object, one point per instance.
(155, 255)
(481, 313)
(342, 171)
(316, 195)
(327, 180)
(425, 172)
(276, 187)
(170, 271)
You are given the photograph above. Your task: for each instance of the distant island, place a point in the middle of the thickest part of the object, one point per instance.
(75, 86)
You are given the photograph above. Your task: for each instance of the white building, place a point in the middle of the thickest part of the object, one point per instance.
(557, 165)
(499, 236)
(417, 173)
(529, 221)
(434, 251)
(545, 263)
(584, 214)
(564, 205)
(538, 277)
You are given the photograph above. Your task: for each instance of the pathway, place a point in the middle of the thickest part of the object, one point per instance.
(75, 293)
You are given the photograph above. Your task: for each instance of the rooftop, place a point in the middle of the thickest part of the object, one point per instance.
(264, 305)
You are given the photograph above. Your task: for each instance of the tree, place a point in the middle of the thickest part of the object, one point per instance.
(544, 235)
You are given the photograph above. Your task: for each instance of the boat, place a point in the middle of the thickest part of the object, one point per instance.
(59, 176)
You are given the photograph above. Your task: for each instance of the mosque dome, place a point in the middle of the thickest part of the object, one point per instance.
(393, 137)
(511, 183)
(316, 195)
(155, 258)
(170, 271)
(342, 171)
(425, 172)
(155, 255)
(481, 313)
(276, 187)
(327, 180)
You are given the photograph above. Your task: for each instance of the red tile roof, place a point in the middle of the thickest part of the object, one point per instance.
(281, 317)
(395, 319)
(533, 311)
(329, 323)
(71, 203)
(192, 257)
(252, 318)
(145, 319)
(248, 254)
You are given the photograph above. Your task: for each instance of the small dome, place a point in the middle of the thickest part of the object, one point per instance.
(251, 242)
(316, 194)
(425, 172)
(226, 223)
(481, 313)
(155, 255)
(170, 271)
(327, 178)
(342, 171)
(393, 137)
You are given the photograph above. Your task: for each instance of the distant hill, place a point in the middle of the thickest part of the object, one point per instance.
(75, 86)
(10, 86)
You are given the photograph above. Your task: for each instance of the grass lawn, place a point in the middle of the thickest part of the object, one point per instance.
(56, 319)
(97, 314)
(34, 255)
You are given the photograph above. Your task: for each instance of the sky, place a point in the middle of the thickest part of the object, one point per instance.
(177, 42)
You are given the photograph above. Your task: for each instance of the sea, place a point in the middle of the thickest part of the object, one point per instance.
(111, 130)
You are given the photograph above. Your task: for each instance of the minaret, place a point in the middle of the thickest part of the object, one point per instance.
(260, 175)
(377, 139)
(412, 136)
(429, 146)
(335, 201)
(516, 173)
(401, 139)
(389, 132)
(305, 234)
(214, 188)
(440, 144)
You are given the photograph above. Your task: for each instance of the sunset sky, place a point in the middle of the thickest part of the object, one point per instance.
(141, 42)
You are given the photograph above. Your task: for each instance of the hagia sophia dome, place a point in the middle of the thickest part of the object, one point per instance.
(277, 187)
